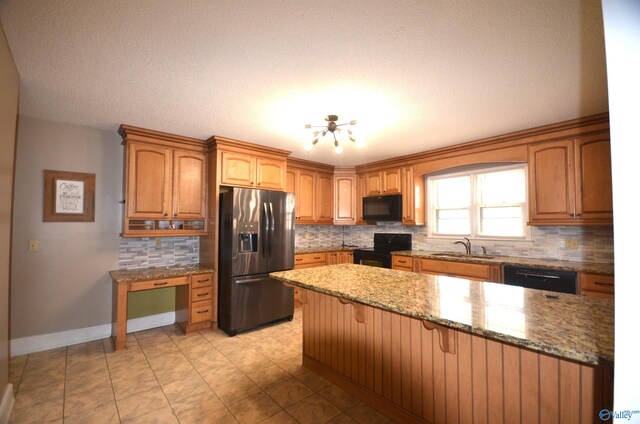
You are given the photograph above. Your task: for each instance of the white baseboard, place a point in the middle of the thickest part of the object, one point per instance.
(25, 345)
(7, 404)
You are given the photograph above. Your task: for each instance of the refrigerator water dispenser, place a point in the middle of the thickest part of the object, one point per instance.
(248, 242)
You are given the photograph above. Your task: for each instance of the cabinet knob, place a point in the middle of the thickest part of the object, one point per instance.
(165, 214)
(578, 215)
(572, 215)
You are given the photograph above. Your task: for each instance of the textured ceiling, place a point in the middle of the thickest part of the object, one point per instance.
(416, 75)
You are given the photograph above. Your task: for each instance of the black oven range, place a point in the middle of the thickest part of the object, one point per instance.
(383, 245)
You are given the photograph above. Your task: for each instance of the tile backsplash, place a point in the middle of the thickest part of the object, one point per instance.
(595, 244)
(144, 252)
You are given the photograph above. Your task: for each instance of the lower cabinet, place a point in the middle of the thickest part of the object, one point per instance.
(197, 306)
(341, 257)
(596, 285)
(480, 272)
(402, 263)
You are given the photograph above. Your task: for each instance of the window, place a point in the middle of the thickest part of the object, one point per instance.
(490, 202)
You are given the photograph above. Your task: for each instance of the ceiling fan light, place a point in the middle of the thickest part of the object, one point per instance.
(338, 149)
(307, 126)
(352, 122)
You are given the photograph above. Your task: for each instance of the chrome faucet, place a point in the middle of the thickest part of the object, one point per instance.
(466, 244)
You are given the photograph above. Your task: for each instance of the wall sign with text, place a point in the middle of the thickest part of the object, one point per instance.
(69, 196)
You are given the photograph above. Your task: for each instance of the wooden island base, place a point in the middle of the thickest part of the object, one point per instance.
(415, 371)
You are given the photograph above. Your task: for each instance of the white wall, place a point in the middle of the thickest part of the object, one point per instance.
(65, 285)
(622, 41)
(9, 87)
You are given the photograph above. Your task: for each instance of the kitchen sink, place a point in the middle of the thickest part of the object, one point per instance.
(462, 256)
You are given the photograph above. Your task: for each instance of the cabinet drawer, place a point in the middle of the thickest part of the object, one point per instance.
(596, 283)
(457, 269)
(202, 280)
(201, 311)
(157, 284)
(402, 262)
(203, 293)
(601, 295)
(310, 258)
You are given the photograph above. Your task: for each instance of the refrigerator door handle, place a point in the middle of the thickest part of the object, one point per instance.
(271, 227)
(265, 231)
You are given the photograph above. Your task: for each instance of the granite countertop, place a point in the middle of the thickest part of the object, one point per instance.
(573, 327)
(338, 248)
(592, 267)
(152, 273)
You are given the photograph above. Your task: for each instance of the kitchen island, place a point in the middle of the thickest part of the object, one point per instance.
(424, 348)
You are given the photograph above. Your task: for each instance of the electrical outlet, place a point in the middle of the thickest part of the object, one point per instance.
(307, 236)
(34, 245)
(570, 243)
(158, 242)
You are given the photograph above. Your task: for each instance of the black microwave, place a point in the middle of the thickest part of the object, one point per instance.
(382, 208)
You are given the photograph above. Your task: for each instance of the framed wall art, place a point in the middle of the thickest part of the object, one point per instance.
(69, 196)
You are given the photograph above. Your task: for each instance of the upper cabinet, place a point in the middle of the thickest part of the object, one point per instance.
(312, 184)
(265, 172)
(570, 182)
(164, 184)
(393, 180)
(344, 196)
(387, 181)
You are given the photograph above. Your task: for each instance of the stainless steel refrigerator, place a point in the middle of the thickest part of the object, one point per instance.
(256, 237)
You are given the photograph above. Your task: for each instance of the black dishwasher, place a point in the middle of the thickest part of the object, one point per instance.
(541, 279)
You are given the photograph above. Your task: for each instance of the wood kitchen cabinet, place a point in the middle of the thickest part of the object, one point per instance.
(570, 182)
(339, 257)
(480, 272)
(164, 184)
(198, 306)
(596, 285)
(242, 164)
(402, 263)
(312, 185)
(344, 196)
(382, 182)
(251, 171)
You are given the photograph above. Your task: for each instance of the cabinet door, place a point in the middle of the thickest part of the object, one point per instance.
(593, 179)
(408, 197)
(305, 197)
(189, 180)
(551, 181)
(291, 181)
(360, 189)
(238, 169)
(345, 200)
(333, 258)
(372, 184)
(149, 181)
(345, 258)
(391, 181)
(270, 173)
(324, 205)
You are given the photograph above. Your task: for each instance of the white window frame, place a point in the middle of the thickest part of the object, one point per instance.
(475, 207)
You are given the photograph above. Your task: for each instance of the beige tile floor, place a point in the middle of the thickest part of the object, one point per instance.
(165, 376)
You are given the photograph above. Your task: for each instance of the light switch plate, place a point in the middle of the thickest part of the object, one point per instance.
(34, 245)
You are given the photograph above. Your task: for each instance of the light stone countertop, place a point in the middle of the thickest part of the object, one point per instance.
(572, 327)
(153, 273)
